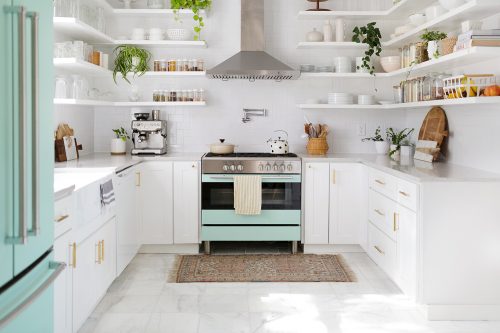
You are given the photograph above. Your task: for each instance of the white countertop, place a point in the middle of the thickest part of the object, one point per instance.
(118, 163)
(417, 171)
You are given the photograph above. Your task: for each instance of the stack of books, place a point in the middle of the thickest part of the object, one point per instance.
(478, 38)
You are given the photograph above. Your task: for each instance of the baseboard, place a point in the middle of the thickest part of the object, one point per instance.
(174, 248)
(462, 312)
(322, 249)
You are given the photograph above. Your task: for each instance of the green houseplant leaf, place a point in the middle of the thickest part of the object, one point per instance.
(371, 36)
(130, 59)
(195, 6)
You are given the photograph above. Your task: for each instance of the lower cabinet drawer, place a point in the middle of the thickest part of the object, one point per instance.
(63, 215)
(382, 250)
(382, 213)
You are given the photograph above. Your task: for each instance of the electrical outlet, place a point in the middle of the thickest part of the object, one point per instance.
(361, 129)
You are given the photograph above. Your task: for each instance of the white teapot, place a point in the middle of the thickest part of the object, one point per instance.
(278, 146)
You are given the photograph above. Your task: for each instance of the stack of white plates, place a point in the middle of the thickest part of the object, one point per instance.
(342, 64)
(340, 98)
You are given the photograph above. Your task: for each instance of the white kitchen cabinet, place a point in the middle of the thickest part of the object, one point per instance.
(407, 250)
(186, 202)
(127, 218)
(316, 203)
(345, 198)
(63, 285)
(156, 202)
(106, 270)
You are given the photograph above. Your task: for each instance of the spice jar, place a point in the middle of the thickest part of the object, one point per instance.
(200, 65)
(173, 96)
(157, 65)
(172, 65)
(163, 65)
(156, 96)
(179, 65)
(163, 96)
(201, 95)
(190, 96)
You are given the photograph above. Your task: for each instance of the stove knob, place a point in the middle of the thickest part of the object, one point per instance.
(275, 167)
(282, 168)
(268, 167)
(261, 167)
(289, 167)
(225, 167)
(232, 167)
(240, 167)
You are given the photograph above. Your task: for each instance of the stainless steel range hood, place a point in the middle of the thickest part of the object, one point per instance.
(253, 63)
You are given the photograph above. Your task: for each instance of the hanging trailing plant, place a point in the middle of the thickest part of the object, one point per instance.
(371, 36)
(130, 59)
(195, 6)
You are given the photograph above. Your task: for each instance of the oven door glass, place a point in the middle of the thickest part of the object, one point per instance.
(277, 195)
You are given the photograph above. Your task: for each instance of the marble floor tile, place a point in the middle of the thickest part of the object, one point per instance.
(223, 303)
(173, 323)
(224, 323)
(122, 322)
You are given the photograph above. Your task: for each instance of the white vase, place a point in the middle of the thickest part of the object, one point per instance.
(339, 30)
(382, 147)
(397, 153)
(433, 49)
(328, 31)
(118, 147)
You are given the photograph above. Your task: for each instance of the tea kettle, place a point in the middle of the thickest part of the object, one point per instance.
(278, 146)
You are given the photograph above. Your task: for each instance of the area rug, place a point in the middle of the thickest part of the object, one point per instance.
(262, 268)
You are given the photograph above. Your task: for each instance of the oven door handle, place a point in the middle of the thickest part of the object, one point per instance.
(266, 179)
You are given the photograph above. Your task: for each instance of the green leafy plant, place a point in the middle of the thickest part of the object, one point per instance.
(397, 138)
(195, 6)
(130, 59)
(121, 133)
(377, 137)
(371, 36)
(430, 36)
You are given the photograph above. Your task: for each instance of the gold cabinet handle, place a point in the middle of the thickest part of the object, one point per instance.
(395, 226)
(404, 194)
(73, 255)
(379, 250)
(334, 177)
(61, 218)
(379, 212)
(379, 182)
(102, 250)
(98, 250)
(137, 179)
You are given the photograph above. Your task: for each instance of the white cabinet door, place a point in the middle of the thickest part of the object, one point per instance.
(316, 203)
(345, 200)
(63, 285)
(106, 268)
(407, 251)
(186, 202)
(156, 202)
(127, 218)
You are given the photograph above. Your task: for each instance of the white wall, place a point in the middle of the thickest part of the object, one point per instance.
(81, 119)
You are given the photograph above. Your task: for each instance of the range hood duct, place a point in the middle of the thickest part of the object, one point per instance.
(252, 62)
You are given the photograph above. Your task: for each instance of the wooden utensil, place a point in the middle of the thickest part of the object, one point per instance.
(435, 128)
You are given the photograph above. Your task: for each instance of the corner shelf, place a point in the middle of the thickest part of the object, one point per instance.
(164, 43)
(330, 45)
(86, 102)
(137, 104)
(78, 66)
(79, 30)
(153, 12)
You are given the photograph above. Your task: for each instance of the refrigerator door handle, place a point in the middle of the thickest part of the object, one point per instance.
(56, 268)
(35, 88)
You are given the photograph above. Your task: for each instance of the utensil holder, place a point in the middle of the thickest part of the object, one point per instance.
(317, 146)
(447, 45)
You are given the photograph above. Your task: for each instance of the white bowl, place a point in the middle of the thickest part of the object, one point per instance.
(389, 59)
(417, 19)
(434, 11)
(390, 66)
(451, 4)
(177, 34)
(385, 102)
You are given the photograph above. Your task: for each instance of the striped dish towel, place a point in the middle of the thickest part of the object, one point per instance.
(107, 193)
(248, 195)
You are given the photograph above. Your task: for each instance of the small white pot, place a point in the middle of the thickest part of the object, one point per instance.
(118, 147)
(382, 147)
(397, 154)
(433, 49)
(406, 151)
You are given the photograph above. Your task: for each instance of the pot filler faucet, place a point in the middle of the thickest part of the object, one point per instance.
(253, 112)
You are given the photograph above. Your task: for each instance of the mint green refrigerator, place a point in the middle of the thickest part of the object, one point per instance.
(26, 167)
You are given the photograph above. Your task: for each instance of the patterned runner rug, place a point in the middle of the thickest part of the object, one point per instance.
(262, 268)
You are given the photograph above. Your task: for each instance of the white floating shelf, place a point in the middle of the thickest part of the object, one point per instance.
(78, 66)
(137, 104)
(175, 74)
(472, 10)
(81, 102)
(79, 30)
(401, 10)
(164, 43)
(153, 12)
(444, 102)
(330, 45)
(333, 75)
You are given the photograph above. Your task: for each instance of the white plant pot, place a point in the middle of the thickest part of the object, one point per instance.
(433, 49)
(118, 147)
(397, 154)
(382, 147)
(406, 151)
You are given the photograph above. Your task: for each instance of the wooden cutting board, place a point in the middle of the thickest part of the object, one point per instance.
(435, 126)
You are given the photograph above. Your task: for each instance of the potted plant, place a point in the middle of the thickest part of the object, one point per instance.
(396, 139)
(130, 59)
(432, 38)
(381, 145)
(119, 142)
(371, 36)
(195, 6)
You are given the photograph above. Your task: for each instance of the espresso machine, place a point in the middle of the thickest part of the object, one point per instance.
(149, 137)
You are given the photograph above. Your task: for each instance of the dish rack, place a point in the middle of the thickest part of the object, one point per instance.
(464, 86)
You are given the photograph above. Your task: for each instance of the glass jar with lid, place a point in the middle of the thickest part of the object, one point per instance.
(438, 87)
(428, 87)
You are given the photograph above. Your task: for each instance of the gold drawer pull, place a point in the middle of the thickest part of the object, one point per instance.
(380, 182)
(99, 251)
(73, 255)
(379, 250)
(61, 218)
(379, 212)
(138, 179)
(404, 194)
(395, 219)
